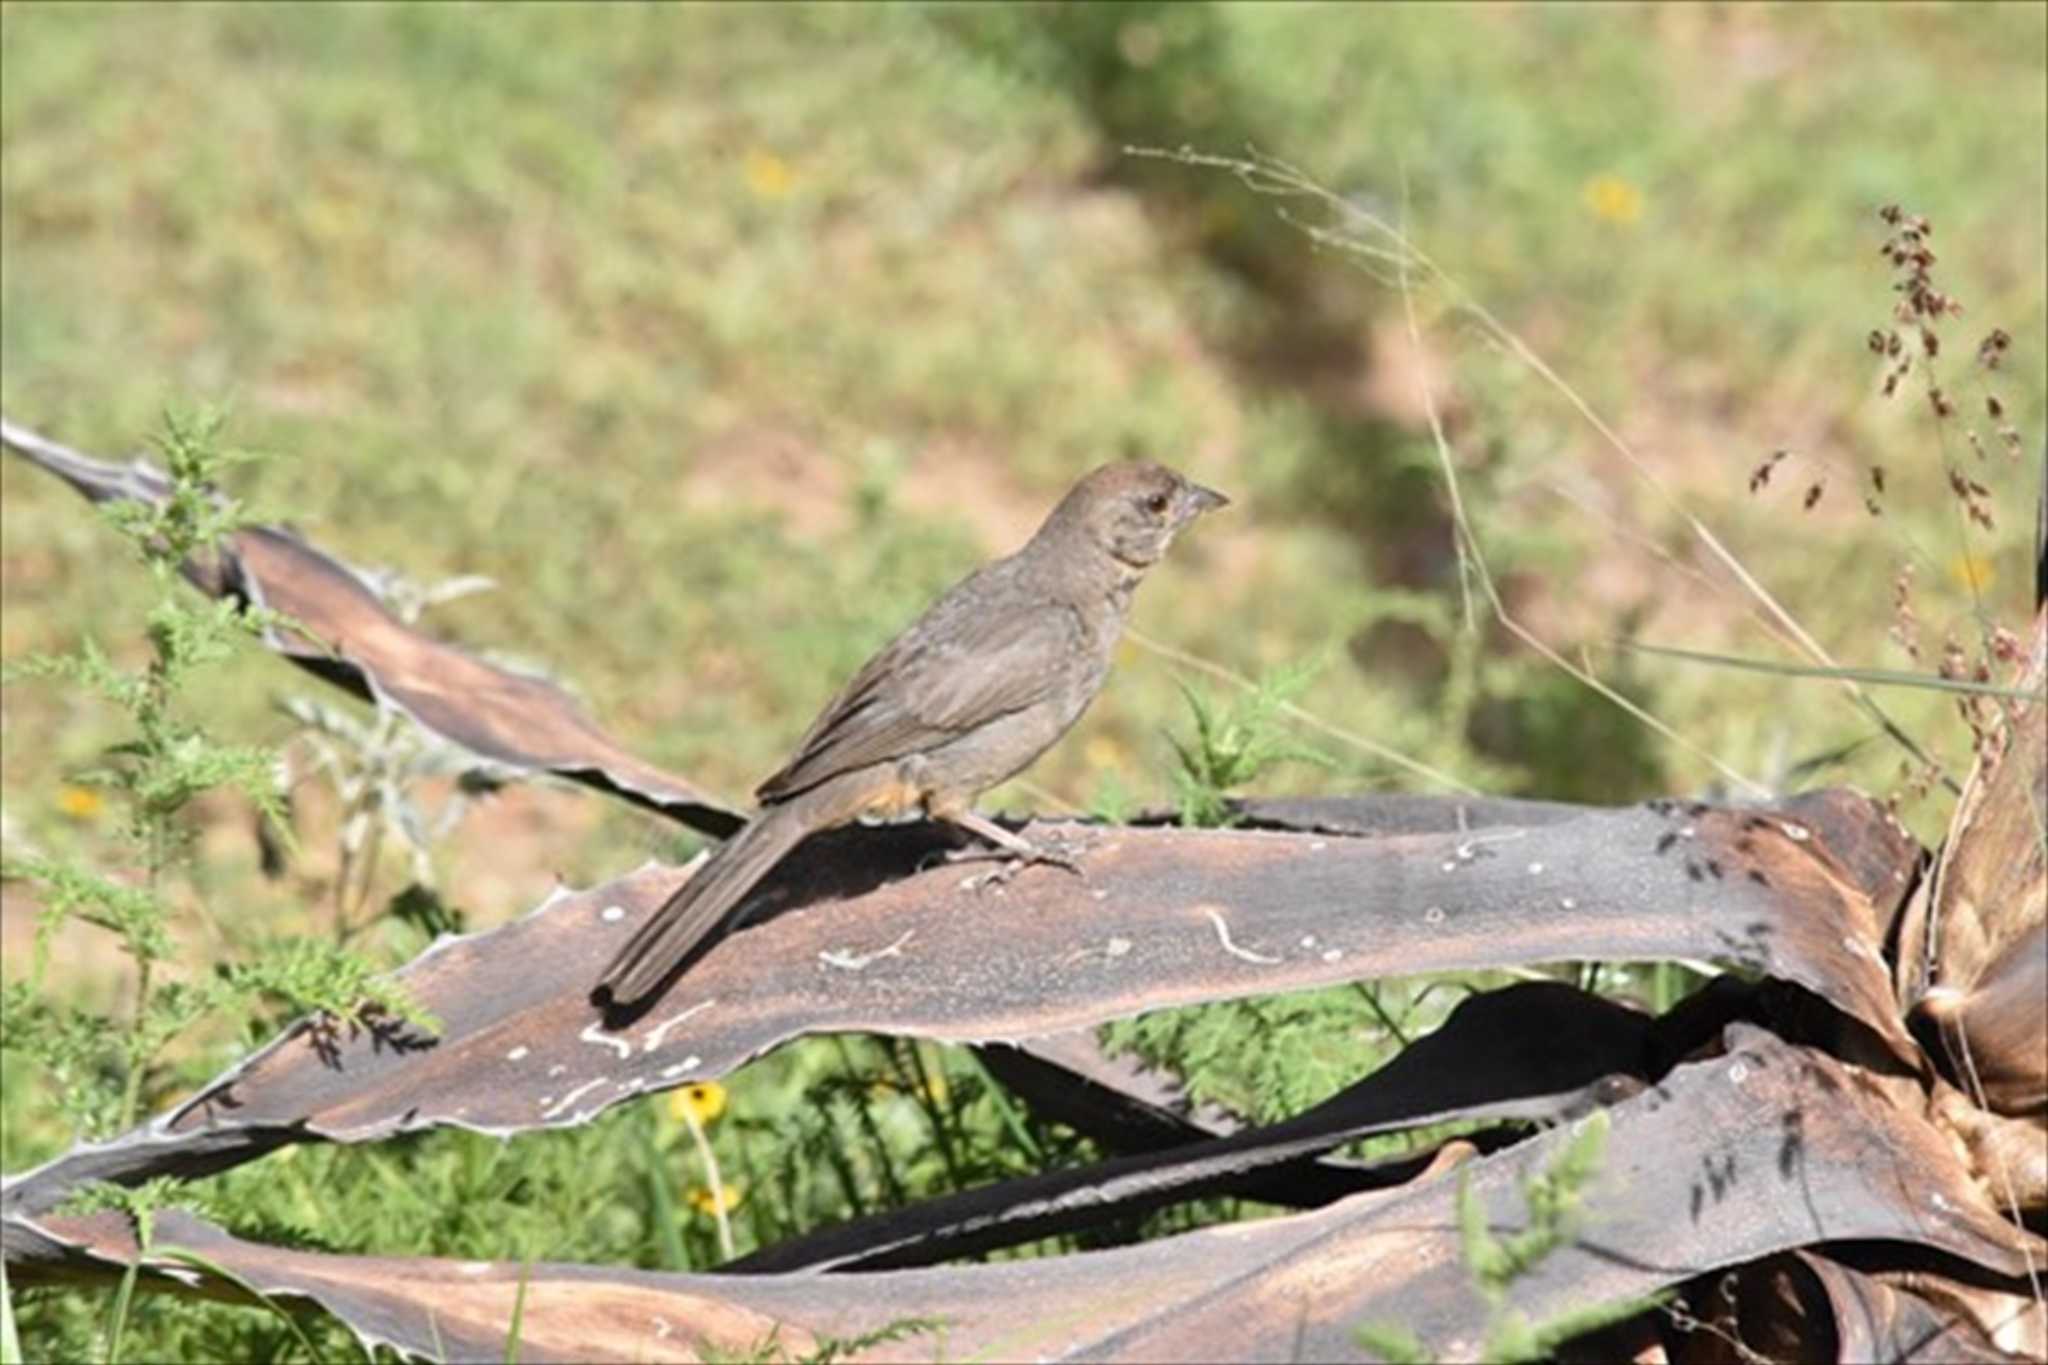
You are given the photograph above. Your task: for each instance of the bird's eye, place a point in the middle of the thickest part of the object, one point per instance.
(1157, 504)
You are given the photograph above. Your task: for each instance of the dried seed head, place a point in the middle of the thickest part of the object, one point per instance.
(1761, 475)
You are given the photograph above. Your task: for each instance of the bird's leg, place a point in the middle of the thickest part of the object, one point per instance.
(1016, 852)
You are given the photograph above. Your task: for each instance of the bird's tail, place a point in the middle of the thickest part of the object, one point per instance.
(698, 906)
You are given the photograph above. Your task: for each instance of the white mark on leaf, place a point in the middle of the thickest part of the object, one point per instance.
(594, 1033)
(1223, 937)
(554, 1110)
(654, 1039)
(846, 960)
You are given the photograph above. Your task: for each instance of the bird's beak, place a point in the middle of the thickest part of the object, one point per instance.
(1197, 500)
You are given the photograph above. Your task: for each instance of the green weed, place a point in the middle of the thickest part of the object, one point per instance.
(1235, 744)
(103, 1067)
(1555, 1200)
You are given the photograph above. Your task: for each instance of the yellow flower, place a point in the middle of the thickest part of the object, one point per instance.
(728, 1198)
(1102, 751)
(1613, 199)
(80, 803)
(705, 1100)
(768, 175)
(1972, 572)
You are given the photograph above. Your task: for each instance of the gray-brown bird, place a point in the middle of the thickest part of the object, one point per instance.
(975, 689)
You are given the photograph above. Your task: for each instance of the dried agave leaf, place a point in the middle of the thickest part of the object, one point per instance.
(344, 632)
(1974, 968)
(1768, 1148)
(1162, 917)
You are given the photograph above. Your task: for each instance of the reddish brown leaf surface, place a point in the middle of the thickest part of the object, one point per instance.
(1766, 1148)
(1161, 917)
(351, 638)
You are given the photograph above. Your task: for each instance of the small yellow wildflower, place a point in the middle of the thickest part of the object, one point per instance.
(1972, 572)
(80, 803)
(1101, 751)
(1613, 199)
(768, 175)
(728, 1198)
(705, 1100)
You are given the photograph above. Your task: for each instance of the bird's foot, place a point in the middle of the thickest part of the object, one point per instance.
(1057, 852)
(999, 875)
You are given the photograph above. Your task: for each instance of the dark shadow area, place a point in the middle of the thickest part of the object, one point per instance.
(1536, 1052)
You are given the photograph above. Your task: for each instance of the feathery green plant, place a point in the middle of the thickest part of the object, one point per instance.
(1555, 1197)
(100, 1067)
(1234, 744)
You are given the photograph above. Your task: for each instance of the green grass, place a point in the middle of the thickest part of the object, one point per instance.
(722, 337)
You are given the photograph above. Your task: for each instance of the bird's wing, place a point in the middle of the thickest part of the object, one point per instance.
(964, 663)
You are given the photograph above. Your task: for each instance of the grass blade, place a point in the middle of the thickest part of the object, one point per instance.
(1876, 677)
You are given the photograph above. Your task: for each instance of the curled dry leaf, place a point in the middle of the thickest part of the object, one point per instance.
(1161, 917)
(1973, 956)
(342, 631)
(1766, 1148)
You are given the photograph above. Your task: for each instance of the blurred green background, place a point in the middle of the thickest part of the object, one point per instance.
(722, 337)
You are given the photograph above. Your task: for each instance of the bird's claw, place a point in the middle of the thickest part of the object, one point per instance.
(1012, 862)
(998, 875)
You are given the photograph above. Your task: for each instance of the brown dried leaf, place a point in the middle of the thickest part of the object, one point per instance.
(1768, 1148)
(1975, 973)
(1926, 1317)
(352, 639)
(1161, 917)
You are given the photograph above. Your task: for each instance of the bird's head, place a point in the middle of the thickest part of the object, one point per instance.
(1133, 509)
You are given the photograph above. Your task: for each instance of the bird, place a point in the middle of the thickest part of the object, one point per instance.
(968, 695)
